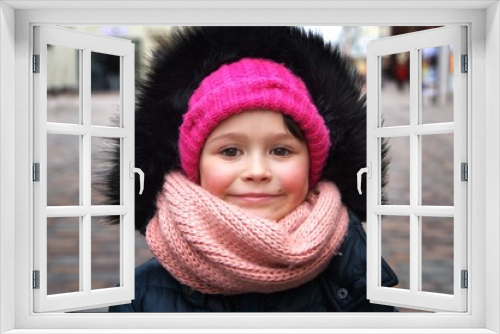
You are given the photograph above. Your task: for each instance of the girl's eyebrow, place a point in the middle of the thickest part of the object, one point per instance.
(228, 135)
(240, 136)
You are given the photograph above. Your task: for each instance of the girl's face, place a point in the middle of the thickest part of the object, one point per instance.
(252, 161)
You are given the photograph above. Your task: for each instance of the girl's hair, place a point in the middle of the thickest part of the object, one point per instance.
(293, 128)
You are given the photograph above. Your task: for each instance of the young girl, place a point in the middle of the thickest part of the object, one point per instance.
(250, 139)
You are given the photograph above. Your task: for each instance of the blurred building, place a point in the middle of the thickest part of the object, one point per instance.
(105, 69)
(352, 41)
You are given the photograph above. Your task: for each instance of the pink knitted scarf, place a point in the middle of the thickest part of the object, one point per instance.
(216, 247)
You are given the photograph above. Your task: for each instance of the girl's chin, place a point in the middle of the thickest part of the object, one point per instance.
(264, 213)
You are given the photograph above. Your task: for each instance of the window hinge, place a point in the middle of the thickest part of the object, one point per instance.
(36, 172)
(36, 279)
(465, 64)
(36, 63)
(465, 171)
(465, 279)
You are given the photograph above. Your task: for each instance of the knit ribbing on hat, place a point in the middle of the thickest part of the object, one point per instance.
(216, 247)
(251, 84)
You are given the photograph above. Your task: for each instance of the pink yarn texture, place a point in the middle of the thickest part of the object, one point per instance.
(251, 84)
(215, 247)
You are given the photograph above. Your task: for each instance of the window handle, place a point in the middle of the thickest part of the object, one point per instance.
(141, 175)
(368, 171)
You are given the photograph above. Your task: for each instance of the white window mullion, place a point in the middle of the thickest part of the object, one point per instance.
(422, 129)
(378, 261)
(86, 158)
(434, 129)
(392, 210)
(393, 131)
(86, 254)
(415, 172)
(422, 210)
(80, 130)
(81, 257)
(80, 211)
(418, 279)
(86, 176)
(415, 252)
(123, 255)
(109, 132)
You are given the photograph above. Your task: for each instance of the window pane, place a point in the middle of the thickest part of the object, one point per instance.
(395, 92)
(437, 254)
(105, 254)
(437, 169)
(398, 173)
(63, 84)
(395, 232)
(437, 84)
(63, 170)
(100, 163)
(105, 81)
(63, 255)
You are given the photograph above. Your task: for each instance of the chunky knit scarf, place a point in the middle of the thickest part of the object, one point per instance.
(215, 247)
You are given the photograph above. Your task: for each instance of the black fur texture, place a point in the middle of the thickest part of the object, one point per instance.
(188, 55)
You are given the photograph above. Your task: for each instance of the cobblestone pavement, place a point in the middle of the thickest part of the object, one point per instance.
(437, 253)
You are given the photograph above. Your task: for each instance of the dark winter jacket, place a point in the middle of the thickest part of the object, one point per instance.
(340, 288)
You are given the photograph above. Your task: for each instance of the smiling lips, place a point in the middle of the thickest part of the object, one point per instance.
(255, 197)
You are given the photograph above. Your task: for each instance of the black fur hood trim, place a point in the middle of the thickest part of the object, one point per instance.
(188, 55)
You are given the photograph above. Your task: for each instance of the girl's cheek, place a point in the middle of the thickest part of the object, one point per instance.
(215, 178)
(296, 177)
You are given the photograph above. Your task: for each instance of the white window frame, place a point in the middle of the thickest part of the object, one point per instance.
(483, 21)
(85, 44)
(414, 296)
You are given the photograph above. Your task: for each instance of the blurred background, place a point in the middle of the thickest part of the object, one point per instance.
(437, 152)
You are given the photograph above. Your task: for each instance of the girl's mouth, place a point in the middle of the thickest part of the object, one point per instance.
(255, 197)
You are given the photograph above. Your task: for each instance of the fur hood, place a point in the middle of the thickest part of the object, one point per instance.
(188, 55)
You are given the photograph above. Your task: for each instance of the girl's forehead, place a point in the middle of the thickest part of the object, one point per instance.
(251, 125)
(252, 120)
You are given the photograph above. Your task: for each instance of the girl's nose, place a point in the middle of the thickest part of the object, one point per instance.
(257, 170)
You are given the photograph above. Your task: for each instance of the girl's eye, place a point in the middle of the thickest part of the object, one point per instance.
(281, 151)
(230, 152)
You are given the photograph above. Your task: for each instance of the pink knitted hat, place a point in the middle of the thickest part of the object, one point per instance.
(249, 84)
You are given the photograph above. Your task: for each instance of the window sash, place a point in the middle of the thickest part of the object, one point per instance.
(86, 297)
(413, 298)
